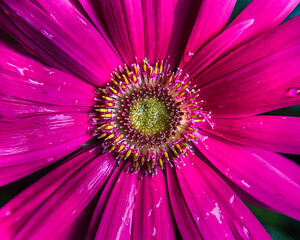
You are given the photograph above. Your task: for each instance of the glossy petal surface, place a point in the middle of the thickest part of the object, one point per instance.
(267, 176)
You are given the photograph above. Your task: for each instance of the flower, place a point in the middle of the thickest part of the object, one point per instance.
(165, 158)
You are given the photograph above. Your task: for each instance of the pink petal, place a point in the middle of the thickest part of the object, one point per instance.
(216, 209)
(267, 176)
(267, 15)
(116, 221)
(25, 78)
(124, 20)
(93, 10)
(282, 37)
(215, 48)
(30, 141)
(98, 211)
(258, 87)
(184, 17)
(274, 133)
(14, 167)
(211, 19)
(37, 132)
(50, 30)
(184, 220)
(13, 109)
(152, 214)
(51, 204)
(158, 23)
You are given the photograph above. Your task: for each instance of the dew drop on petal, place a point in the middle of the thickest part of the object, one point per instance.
(7, 212)
(293, 92)
(50, 159)
(241, 230)
(48, 35)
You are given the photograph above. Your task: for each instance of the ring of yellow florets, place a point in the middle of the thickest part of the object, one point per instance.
(147, 114)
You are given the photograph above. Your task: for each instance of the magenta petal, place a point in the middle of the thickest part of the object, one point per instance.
(37, 132)
(267, 14)
(216, 209)
(24, 78)
(116, 221)
(215, 48)
(98, 211)
(51, 204)
(12, 109)
(267, 176)
(183, 21)
(184, 219)
(258, 87)
(211, 19)
(30, 143)
(273, 133)
(14, 167)
(124, 20)
(152, 214)
(284, 36)
(51, 30)
(158, 23)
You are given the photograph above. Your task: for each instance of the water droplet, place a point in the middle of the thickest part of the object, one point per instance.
(50, 159)
(191, 54)
(76, 102)
(7, 212)
(242, 230)
(48, 35)
(293, 92)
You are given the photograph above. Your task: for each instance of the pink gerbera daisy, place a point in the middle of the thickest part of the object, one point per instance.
(154, 108)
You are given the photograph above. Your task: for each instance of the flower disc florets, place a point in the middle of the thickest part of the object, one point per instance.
(147, 115)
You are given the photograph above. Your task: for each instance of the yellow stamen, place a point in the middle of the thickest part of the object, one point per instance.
(117, 75)
(192, 129)
(191, 135)
(182, 93)
(103, 90)
(161, 66)
(178, 147)
(117, 139)
(115, 82)
(156, 68)
(113, 148)
(136, 165)
(102, 126)
(171, 77)
(110, 137)
(142, 160)
(109, 127)
(107, 98)
(121, 148)
(128, 154)
(102, 135)
(125, 79)
(103, 110)
(198, 120)
(161, 163)
(134, 78)
(166, 155)
(174, 151)
(144, 66)
(107, 115)
(113, 90)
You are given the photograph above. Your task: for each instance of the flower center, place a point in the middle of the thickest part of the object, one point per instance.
(150, 116)
(146, 114)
